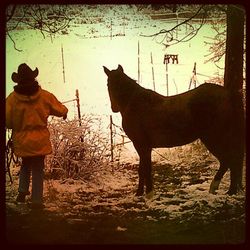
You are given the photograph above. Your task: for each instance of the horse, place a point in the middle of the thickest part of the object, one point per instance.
(152, 120)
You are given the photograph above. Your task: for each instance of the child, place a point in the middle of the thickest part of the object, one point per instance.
(27, 110)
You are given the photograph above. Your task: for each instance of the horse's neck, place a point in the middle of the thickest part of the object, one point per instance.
(134, 94)
(128, 92)
(132, 87)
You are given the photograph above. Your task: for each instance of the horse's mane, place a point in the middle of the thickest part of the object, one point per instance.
(129, 80)
(131, 87)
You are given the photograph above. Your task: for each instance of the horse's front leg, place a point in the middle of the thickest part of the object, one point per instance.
(145, 171)
(140, 189)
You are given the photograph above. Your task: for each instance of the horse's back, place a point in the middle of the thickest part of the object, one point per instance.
(180, 119)
(210, 105)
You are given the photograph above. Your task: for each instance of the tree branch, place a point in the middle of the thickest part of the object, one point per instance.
(163, 31)
(19, 50)
(12, 12)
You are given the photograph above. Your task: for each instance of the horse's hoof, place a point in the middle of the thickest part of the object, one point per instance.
(214, 186)
(212, 192)
(139, 193)
(150, 195)
(231, 192)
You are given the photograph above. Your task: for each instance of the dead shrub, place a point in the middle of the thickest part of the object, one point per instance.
(79, 152)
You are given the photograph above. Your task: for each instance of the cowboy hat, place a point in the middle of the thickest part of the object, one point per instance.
(24, 73)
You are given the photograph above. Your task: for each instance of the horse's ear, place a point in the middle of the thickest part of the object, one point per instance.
(120, 68)
(106, 70)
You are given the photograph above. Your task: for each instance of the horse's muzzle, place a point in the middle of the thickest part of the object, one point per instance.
(115, 109)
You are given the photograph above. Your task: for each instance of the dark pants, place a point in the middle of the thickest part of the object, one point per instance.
(32, 165)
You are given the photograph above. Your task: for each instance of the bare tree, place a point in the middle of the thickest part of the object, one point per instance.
(195, 13)
(217, 44)
(229, 39)
(48, 19)
(233, 76)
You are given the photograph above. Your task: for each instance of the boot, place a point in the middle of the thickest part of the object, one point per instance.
(36, 206)
(20, 197)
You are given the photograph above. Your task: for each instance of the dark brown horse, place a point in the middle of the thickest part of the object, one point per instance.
(152, 120)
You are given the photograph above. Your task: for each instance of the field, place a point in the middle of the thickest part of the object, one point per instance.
(103, 208)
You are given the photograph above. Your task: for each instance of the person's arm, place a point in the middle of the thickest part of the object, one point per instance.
(57, 108)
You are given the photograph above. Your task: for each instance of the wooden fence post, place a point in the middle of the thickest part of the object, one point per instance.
(63, 64)
(111, 138)
(78, 106)
(167, 77)
(193, 78)
(153, 74)
(138, 55)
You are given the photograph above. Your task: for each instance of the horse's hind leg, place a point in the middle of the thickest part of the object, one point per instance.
(214, 186)
(235, 164)
(228, 148)
(213, 145)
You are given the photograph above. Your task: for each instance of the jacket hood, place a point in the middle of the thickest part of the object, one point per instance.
(27, 87)
(28, 98)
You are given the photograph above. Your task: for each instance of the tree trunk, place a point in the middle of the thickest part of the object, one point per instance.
(233, 81)
(233, 76)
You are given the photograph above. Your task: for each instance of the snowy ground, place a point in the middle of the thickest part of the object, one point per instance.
(181, 201)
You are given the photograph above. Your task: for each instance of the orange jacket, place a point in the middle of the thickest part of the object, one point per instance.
(27, 117)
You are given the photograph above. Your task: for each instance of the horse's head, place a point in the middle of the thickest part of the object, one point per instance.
(114, 83)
